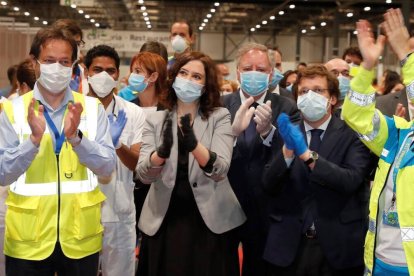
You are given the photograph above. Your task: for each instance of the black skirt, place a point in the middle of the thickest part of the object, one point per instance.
(184, 245)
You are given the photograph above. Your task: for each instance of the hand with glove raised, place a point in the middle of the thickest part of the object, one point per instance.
(243, 117)
(164, 150)
(291, 134)
(190, 140)
(117, 126)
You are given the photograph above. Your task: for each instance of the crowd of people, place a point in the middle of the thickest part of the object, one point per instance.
(271, 173)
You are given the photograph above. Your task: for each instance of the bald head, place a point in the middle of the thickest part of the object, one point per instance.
(338, 67)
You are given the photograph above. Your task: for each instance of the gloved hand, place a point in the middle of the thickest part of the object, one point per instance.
(164, 150)
(190, 141)
(292, 135)
(117, 126)
(243, 116)
(263, 118)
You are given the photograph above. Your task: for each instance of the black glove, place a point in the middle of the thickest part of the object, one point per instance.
(190, 141)
(164, 149)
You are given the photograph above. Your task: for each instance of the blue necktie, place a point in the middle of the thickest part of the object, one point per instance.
(250, 132)
(314, 145)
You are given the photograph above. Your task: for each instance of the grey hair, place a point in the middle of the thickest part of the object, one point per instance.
(254, 46)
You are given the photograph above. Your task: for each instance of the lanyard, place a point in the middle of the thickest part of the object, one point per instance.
(59, 138)
(113, 107)
(404, 149)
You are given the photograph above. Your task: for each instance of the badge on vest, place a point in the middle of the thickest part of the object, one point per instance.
(390, 217)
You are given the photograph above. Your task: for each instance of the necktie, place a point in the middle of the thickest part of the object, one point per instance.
(250, 132)
(315, 141)
(314, 145)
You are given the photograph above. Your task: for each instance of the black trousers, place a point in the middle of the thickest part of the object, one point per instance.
(55, 263)
(310, 261)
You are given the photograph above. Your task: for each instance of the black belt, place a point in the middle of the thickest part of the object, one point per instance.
(310, 233)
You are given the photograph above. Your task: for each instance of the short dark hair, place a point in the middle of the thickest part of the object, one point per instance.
(352, 51)
(70, 26)
(183, 21)
(101, 51)
(321, 71)
(156, 48)
(11, 73)
(210, 98)
(52, 33)
(26, 73)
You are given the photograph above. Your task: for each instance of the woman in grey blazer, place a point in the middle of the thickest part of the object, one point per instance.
(190, 211)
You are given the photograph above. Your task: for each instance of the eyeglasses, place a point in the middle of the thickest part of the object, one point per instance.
(316, 90)
(344, 73)
(80, 43)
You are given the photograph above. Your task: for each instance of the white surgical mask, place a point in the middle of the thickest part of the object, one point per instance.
(54, 77)
(102, 84)
(313, 106)
(187, 91)
(179, 44)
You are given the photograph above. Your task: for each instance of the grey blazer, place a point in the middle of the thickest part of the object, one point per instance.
(213, 194)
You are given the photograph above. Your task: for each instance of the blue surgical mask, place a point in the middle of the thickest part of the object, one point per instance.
(137, 82)
(289, 87)
(254, 83)
(344, 86)
(313, 106)
(187, 91)
(277, 76)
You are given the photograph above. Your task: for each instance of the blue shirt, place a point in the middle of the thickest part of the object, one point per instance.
(15, 157)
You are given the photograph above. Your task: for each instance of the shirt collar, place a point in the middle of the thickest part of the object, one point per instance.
(38, 96)
(323, 126)
(259, 101)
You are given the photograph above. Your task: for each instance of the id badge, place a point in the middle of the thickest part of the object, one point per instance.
(390, 218)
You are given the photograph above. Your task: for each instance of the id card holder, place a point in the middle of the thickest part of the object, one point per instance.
(390, 217)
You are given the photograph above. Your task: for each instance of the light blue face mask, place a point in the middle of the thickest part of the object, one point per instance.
(254, 83)
(277, 76)
(344, 86)
(137, 82)
(289, 87)
(187, 91)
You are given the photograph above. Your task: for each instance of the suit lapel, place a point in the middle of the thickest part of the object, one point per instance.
(199, 128)
(330, 137)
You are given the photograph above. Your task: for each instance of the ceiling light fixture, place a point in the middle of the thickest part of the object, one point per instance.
(97, 25)
(281, 13)
(272, 17)
(16, 9)
(292, 6)
(323, 23)
(213, 10)
(27, 13)
(367, 8)
(140, 1)
(216, 4)
(36, 18)
(87, 16)
(44, 22)
(80, 11)
(92, 20)
(312, 27)
(3, 3)
(264, 22)
(145, 14)
(303, 31)
(73, 6)
(143, 8)
(349, 14)
(208, 16)
(252, 29)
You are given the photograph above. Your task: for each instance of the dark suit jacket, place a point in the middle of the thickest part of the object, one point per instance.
(248, 160)
(285, 93)
(388, 103)
(337, 190)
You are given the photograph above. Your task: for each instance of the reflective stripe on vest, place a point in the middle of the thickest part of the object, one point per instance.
(88, 125)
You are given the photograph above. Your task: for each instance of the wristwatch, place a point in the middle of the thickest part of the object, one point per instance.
(312, 157)
(77, 138)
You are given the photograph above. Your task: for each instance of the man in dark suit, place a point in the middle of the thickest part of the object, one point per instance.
(256, 141)
(394, 104)
(318, 214)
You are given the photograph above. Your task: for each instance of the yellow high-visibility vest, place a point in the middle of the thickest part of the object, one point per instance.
(57, 198)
